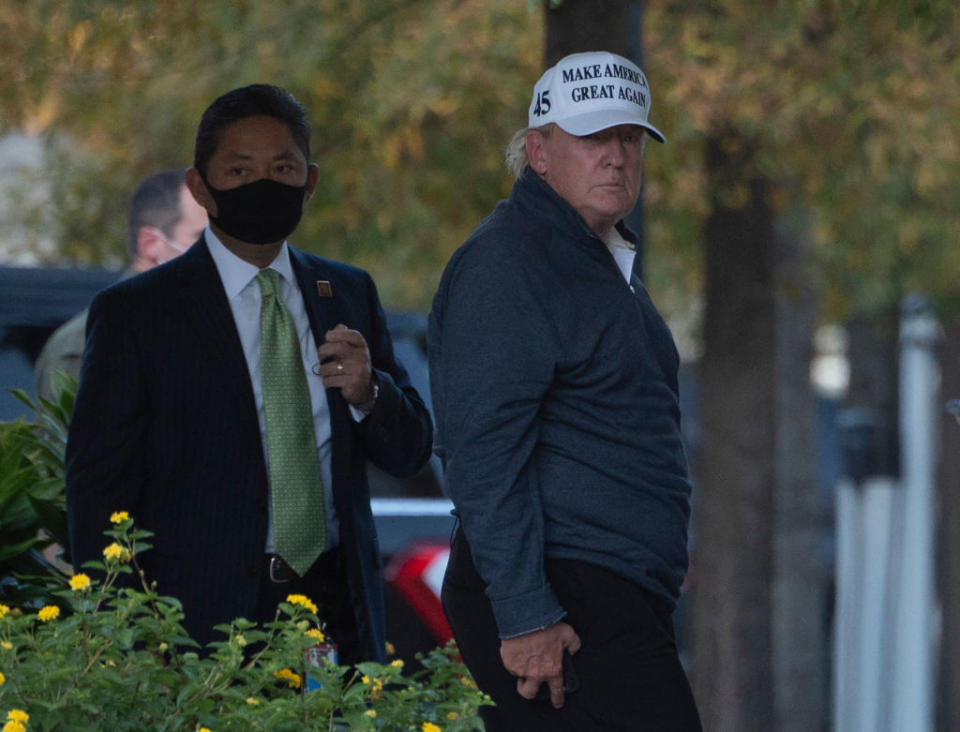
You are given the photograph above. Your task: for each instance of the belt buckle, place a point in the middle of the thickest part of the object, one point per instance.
(275, 562)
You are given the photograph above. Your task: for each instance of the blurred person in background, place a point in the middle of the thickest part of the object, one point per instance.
(163, 221)
(554, 383)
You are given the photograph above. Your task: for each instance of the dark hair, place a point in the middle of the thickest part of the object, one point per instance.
(249, 101)
(155, 202)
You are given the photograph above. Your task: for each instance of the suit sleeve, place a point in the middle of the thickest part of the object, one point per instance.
(398, 434)
(104, 455)
(493, 352)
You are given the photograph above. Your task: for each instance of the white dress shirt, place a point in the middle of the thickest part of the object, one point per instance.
(623, 251)
(243, 294)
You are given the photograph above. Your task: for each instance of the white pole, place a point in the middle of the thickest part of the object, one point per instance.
(846, 638)
(867, 513)
(881, 498)
(913, 663)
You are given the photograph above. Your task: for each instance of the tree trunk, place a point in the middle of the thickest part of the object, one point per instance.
(803, 509)
(874, 354)
(598, 25)
(948, 517)
(732, 671)
(592, 25)
(753, 372)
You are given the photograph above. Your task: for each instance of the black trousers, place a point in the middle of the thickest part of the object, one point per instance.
(325, 583)
(630, 674)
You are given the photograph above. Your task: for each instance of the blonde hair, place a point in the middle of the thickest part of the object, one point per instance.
(516, 153)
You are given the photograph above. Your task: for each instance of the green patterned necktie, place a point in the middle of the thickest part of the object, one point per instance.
(296, 486)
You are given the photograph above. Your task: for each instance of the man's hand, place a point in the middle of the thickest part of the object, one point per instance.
(537, 657)
(345, 364)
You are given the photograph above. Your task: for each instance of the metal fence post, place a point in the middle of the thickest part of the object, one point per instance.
(913, 667)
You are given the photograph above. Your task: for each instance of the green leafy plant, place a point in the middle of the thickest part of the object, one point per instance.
(85, 651)
(33, 525)
(106, 656)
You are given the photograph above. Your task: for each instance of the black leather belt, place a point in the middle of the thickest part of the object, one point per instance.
(280, 572)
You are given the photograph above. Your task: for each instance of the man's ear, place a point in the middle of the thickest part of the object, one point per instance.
(313, 175)
(198, 189)
(536, 154)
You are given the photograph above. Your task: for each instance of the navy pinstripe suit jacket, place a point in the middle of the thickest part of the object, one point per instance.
(165, 427)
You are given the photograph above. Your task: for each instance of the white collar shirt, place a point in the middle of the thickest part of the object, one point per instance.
(623, 252)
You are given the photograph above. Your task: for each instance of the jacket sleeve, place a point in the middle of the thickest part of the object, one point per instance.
(398, 434)
(493, 353)
(104, 455)
(62, 352)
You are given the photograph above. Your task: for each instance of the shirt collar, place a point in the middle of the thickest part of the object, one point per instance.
(236, 273)
(615, 240)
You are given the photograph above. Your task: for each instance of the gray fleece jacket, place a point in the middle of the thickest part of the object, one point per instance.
(554, 386)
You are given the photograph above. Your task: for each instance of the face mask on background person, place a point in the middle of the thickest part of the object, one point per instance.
(169, 242)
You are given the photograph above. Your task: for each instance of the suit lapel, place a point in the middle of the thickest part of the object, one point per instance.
(324, 311)
(204, 301)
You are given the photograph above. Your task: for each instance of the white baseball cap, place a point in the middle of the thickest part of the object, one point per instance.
(588, 92)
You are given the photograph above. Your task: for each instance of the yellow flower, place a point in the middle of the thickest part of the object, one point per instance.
(115, 551)
(317, 635)
(119, 517)
(252, 701)
(4, 609)
(3, 679)
(14, 726)
(162, 647)
(79, 582)
(371, 713)
(241, 641)
(430, 727)
(452, 716)
(397, 663)
(6, 645)
(303, 601)
(18, 715)
(375, 684)
(390, 648)
(204, 729)
(48, 612)
(291, 678)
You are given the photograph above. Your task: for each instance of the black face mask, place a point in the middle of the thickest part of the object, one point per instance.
(262, 212)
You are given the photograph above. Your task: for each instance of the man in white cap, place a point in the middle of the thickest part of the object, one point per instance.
(554, 382)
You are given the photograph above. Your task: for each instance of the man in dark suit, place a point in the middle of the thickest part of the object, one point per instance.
(251, 474)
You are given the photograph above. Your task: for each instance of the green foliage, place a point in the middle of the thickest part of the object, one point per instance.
(103, 657)
(75, 651)
(32, 504)
(851, 110)
(409, 118)
(850, 106)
